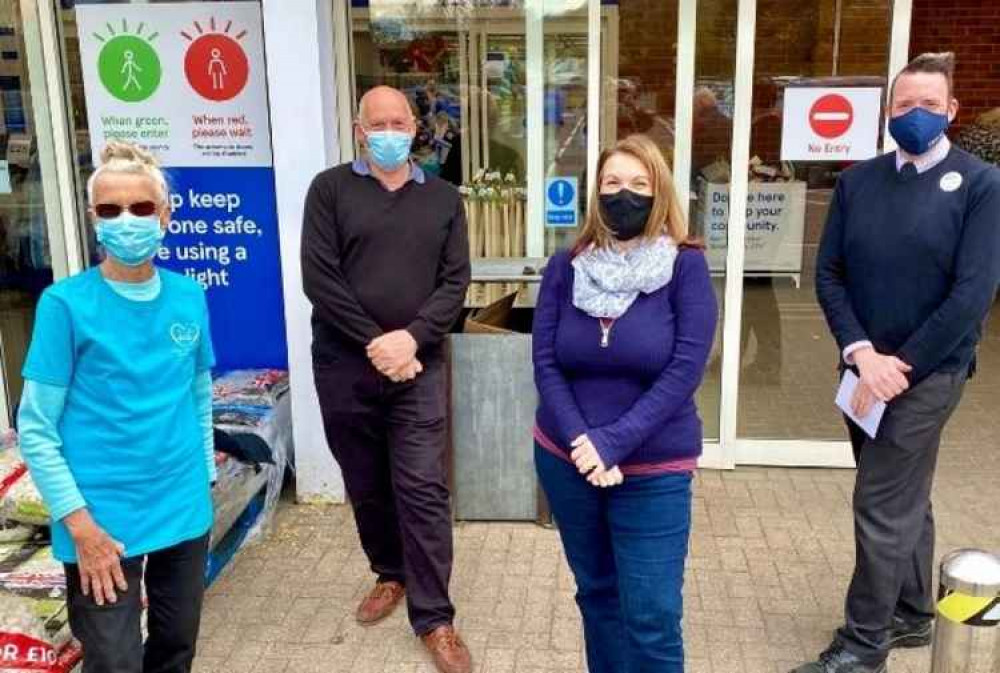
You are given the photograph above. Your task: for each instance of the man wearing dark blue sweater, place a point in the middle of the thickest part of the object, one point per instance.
(907, 270)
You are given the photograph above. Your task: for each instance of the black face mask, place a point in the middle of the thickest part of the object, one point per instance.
(627, 213)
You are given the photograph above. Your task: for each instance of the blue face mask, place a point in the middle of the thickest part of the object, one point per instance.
(389, 149)
(131, 240)
(918, 130)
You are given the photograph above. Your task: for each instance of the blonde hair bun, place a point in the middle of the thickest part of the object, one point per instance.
(116, 150)
(119, 157)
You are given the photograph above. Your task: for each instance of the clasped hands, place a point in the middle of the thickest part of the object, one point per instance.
(394, 355)
(588, 461)
(883, 378)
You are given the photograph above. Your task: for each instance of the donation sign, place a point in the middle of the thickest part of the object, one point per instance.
(187, 82)
(776, 213)
(824, 124)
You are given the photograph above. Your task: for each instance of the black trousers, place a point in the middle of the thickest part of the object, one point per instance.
(893, 517)
(389, 440)
(111, 634)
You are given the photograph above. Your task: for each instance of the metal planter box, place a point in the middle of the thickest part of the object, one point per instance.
(493, 399)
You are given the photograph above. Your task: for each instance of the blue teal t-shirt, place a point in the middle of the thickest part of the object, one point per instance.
(130, 428)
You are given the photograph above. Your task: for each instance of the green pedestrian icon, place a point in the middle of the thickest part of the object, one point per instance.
(128, 65)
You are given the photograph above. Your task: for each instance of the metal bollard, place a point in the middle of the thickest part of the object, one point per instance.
(966, 637)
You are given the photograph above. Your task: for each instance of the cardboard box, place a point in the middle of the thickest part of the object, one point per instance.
(493, 318)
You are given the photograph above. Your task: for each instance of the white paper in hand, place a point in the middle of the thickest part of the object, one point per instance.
(867, 423)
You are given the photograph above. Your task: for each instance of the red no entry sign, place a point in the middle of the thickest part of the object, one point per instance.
(831, 116)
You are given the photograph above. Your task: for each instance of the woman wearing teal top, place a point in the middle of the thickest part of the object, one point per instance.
(116, 429)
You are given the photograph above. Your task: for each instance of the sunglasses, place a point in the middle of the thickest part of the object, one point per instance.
(109, 211)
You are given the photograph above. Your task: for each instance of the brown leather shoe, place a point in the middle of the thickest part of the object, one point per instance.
(380, 603)
(449, 652)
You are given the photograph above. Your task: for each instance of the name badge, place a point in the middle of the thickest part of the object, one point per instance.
(951, 181)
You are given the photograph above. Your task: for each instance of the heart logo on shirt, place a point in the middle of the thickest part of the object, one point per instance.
(185, 335)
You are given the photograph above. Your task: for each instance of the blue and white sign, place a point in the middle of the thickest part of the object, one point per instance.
(561, 199)
(199, 102)
(224, 234)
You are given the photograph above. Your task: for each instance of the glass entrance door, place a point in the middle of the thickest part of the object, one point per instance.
(469, 67)
(819, 73)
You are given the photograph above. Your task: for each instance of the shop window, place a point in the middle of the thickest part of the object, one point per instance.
(27, 184)
(464, 70)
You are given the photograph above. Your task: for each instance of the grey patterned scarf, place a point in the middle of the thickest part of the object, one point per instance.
(608, 280)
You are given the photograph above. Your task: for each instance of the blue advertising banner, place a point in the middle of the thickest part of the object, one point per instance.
(187, 81)
(224, 234)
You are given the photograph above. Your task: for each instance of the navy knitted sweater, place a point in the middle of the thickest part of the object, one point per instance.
(912, 262)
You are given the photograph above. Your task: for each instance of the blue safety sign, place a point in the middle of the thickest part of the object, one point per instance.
(561, 199)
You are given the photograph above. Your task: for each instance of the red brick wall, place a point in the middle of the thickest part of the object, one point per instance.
(647, 57)
(865, 27)
(715, 49)
(715, 63)
(647, 51)
(971, 29)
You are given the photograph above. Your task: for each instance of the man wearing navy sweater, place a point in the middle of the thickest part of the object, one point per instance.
(907, 270)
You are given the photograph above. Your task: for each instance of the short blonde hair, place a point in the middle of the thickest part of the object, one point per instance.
(666, 218)
(120, 157)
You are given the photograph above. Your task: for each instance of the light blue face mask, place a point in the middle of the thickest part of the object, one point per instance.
(389, 149)
(131, 240)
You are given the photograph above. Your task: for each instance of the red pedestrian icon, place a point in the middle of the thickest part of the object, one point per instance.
(215, 64)
(831, 116)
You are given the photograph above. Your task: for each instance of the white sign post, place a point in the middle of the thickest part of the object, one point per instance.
(824, 124)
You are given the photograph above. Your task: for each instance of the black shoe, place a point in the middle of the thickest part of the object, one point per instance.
(910, 635)
(838, 660)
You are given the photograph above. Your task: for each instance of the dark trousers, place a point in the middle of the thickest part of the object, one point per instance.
(893, 518)
(389, 440)
(626, 546)
(111, 634)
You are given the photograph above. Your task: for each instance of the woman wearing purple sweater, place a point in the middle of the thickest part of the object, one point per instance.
(623, 329)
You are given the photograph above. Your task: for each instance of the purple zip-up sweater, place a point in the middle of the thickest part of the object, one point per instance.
(635, 398)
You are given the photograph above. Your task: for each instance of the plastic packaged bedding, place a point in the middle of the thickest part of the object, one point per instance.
(250, 387)
(20, 501)
(34, 629)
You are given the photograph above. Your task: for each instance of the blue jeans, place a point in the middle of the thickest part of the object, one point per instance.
(626, 546)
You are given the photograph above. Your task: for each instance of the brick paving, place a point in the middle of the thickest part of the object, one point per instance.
(771, 554)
